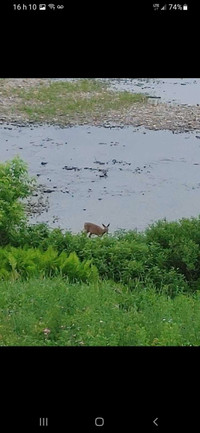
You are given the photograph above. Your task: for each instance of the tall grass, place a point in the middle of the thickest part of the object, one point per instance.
(51, 312)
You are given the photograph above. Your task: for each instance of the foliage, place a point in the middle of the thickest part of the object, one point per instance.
(15, 184)
(26, 262)
(167, 254)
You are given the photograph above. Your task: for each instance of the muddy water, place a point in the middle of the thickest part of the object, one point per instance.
(126, 176)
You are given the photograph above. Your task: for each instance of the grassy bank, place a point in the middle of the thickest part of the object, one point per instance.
(127, 289)
(83, 100)
(54, 312)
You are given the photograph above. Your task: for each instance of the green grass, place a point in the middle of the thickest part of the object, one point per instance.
(72, 101)
(51, 312)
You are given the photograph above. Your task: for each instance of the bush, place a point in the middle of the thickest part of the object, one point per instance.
(177, 245)
(14, 185)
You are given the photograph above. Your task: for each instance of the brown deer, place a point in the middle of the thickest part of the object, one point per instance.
(93, 229)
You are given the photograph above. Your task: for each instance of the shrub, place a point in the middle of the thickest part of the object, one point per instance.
(14, 185)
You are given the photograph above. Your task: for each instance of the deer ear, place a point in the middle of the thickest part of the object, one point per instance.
(108, 225)
(103, 225)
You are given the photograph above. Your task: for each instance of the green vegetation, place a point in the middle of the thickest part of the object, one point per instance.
(66, 102)
(50, 311)
(24, 263)
(14, 185)
(166, 256)
(124, 289)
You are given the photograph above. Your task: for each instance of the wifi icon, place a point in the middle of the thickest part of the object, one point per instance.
(51, 6)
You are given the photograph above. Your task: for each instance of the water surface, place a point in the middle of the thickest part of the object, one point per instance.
(128, 176)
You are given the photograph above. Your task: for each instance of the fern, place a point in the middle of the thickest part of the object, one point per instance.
(48, 262)
(26, 262)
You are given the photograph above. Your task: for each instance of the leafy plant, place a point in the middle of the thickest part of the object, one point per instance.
(27, 262)
(15, 184)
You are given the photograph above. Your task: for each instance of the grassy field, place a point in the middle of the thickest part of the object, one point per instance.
(66, 102)
(127, 289)
(53, 312)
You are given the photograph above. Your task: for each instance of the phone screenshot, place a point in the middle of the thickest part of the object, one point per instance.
(99, 218)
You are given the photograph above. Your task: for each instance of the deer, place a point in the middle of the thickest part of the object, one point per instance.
(93, 229)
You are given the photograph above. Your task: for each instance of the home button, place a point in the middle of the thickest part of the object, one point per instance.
(99, 421)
